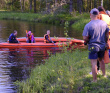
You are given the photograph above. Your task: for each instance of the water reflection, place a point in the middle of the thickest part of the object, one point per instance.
(6, 86)
(39, 29)
(16, 64)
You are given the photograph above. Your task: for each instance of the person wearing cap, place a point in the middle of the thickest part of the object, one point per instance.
(12, 37)
(30, 37)
(95, 34)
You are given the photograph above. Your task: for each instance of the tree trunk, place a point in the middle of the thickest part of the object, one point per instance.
(88, 6)
(95, 2)
(55, 4)
(30, 5)
(34, 6)
(79, 6)
(91, 4)
(21, 6)
(71, 6)
(46, 5)
(101, 2)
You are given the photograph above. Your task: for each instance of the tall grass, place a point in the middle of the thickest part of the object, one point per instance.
(79, 25)
(45, 18)
(60, 74)
(82, 20)
(65, 73)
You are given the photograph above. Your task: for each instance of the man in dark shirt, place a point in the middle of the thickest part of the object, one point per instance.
(12, 37)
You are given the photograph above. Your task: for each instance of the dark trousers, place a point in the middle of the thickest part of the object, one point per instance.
(50, 42)
(98, 65)
(29, 41)
(15, 41)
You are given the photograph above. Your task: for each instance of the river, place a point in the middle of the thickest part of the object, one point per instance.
(16, 63)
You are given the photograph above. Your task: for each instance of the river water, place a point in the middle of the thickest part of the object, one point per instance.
(16, 63)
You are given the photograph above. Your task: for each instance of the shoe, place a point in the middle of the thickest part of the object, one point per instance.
(90, 73)
(94, 81)
(99, 72)
(105, 76)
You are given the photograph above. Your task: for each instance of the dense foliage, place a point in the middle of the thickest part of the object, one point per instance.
(52, 6)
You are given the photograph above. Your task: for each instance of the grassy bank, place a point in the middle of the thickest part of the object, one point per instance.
(65, 73)
(76, 20)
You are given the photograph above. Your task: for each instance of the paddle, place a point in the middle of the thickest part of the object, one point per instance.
(26, 36)
(52, 42)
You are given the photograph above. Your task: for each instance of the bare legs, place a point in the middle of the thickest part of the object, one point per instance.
(102, 66)
(94, 68)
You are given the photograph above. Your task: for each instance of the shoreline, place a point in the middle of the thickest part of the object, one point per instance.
(77, 22)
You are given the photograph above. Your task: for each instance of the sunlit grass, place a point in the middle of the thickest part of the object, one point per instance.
(79, 25)
(66, 72)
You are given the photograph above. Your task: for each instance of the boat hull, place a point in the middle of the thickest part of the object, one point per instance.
(39, 42)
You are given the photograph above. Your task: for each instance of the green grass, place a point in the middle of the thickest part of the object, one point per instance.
(78, 21)
(82, 20)
(79, 25)
(65, 73)
(58, 19)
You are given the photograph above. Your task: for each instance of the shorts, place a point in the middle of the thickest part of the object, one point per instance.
(95, 53)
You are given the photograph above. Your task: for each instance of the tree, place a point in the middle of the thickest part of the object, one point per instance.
(34, 6)
(30, 5)
(71, 6)
(95, 3)
(21, 6)
(101, 2)
(79, 6)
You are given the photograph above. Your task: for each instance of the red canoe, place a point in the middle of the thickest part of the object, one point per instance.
(60, 42)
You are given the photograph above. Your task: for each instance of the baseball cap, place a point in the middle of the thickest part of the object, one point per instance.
(94, 11)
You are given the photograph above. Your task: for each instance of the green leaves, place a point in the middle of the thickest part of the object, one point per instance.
(66, 28)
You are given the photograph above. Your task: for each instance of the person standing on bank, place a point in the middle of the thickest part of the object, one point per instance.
(95, 34)
(12, 37)
(103, 16)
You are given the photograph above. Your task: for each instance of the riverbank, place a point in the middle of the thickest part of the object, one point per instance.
(65, 73)
(77, 21)
(62, 72)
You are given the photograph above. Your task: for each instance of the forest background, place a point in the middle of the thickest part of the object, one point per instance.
(52, 6)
